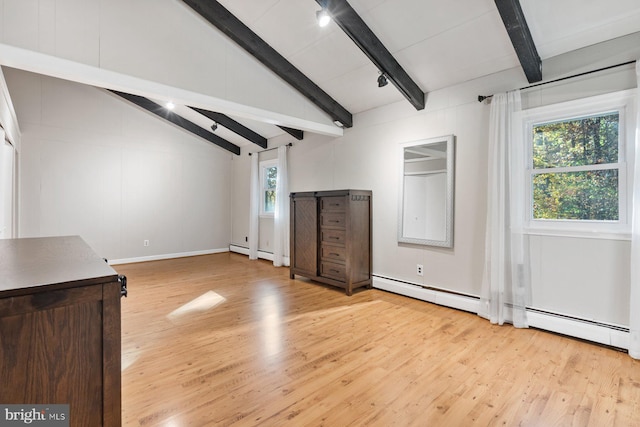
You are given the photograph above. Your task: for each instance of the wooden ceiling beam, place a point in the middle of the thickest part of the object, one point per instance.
(518, 30)
(234, 126)
(352, 24)
(296, 133)
(178, 120)
(232, 27)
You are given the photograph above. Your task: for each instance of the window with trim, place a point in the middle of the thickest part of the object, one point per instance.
(268, 177)
(576, 164)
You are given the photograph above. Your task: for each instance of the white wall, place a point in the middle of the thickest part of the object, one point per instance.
(584, 278)
(96, 166)
(367, 158)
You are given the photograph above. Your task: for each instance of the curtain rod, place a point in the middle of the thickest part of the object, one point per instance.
(274, 148)
(483, 97)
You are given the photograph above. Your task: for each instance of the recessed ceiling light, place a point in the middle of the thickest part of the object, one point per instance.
(170, 105)
(323, 17)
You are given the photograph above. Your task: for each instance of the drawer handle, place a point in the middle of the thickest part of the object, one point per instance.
(337, 221)
(123, 286)
(334, 271)
(334, 254)
(334, 237)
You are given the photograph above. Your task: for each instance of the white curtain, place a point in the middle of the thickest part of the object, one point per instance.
(634, 294)
(281, 215)
(254, 207)
(505, 284)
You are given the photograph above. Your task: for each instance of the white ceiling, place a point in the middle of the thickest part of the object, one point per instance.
(439, 43)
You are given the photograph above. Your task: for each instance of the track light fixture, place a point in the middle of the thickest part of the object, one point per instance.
(214, 126)
(323, 17)
(382, 80)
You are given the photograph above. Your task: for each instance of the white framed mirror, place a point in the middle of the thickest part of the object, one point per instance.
(425, 214)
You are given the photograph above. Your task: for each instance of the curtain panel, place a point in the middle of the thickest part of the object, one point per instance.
(506, 278)
(634, 291)
(254, 207)
(281, 215)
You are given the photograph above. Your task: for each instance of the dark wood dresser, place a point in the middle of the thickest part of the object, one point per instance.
(60, 329)
(331, 237)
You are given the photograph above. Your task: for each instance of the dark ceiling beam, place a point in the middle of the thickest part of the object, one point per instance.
(234, 126)
(516, 25)
(177, 120)
(352, 24)
(296, 133)
(231, 26)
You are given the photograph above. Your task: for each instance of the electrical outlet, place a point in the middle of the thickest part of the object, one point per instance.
(419, 269)
(145, 243)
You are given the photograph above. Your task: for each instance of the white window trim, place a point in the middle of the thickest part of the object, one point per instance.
(624, 103)
(265, 164)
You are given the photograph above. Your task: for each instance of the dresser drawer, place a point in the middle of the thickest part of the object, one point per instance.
(337, 203)
(335, 237)
(333, 253)
(332, 270)
(330, 219)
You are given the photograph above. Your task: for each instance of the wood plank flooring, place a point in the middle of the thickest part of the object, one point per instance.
(219, 340)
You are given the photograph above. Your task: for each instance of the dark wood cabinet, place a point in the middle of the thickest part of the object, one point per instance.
(60, 329)
(331, 237)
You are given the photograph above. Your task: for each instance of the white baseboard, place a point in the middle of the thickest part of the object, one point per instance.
(583, 329)
(261, 254)
(166, 256)
(460, 302)
(611, 335)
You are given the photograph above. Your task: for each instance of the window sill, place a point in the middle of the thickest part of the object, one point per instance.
(266, 216)
(578, 233)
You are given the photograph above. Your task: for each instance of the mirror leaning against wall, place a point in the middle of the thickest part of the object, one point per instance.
(425, 214)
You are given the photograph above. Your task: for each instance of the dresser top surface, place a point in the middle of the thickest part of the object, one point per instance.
(37, 262)
(329, 193)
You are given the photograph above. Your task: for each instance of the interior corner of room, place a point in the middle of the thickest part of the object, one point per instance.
(164, 141)
(80, 160)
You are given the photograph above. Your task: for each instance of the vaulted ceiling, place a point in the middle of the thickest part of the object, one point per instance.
(421, 45)
(438, 43)
(435, 44)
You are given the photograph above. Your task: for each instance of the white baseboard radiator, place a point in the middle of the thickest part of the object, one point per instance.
(602, 333)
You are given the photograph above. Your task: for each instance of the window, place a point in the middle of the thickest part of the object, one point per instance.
(576, 164)
(576, 168)
(268, 177)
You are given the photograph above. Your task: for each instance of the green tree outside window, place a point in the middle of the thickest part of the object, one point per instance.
(271, 174)
(575, 169)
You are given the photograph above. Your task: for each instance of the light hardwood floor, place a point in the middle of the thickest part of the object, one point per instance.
(220, 340)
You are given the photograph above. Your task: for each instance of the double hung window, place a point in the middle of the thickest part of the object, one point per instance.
(576, 165)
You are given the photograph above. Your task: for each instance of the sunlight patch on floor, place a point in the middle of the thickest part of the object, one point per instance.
(204, 302)
(129, 357)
